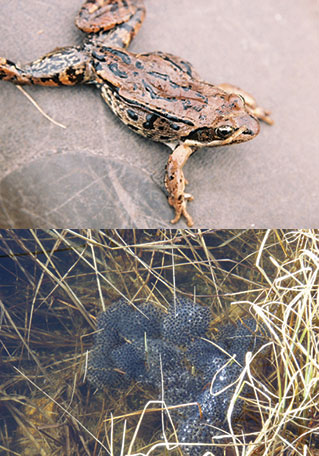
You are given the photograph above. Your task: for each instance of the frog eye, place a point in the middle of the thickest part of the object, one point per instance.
(224, 131)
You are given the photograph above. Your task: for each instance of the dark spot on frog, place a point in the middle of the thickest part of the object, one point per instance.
(173, 63)
(201, 134)
(99, 56)
(197, 108)
(188, 68)
(164, 138)
(156, 74)
(127, 27)
(149, 89)
(174, 85)
(187, 104)
(132, 115)
(114, 7)
(139, 64)
(115, 69)
(203, 97)
(98, 66)
(74, 75)
(122, 55)
(150, 119)
(174, 126)
(54, 78)
(113, 89)
(176, 119)
(132, 127)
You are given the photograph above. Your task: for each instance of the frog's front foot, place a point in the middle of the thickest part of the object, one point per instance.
(179, 205)
(175, 183)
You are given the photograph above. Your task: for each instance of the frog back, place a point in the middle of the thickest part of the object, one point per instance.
(156, 94)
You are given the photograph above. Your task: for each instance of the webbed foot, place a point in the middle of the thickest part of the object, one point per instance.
(175, 183)
(9, 71)
(180, 208)
(251, 104)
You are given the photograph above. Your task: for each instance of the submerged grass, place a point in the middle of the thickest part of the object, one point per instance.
(55, 282)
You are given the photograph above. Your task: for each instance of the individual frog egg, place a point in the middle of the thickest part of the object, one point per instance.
(185, 321)
(129, 359)
(137, 323)
(101, 371)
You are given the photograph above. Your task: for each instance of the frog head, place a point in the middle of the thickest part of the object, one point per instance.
(232, 123)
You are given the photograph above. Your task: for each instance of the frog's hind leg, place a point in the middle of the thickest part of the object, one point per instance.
(250, 101)
(64, 66)
(175, 183)
(111, 22)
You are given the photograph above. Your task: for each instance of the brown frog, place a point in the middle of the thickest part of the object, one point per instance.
(156, 94)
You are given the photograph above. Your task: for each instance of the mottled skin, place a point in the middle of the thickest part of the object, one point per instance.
(158, 95)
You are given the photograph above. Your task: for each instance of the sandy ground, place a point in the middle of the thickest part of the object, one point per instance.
(96, 173)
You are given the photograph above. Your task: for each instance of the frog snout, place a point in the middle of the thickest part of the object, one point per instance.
(251, 125)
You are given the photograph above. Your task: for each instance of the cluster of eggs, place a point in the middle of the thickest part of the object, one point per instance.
(171, 353)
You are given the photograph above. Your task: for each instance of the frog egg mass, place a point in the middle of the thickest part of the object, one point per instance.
(149, 346)
(185, 321)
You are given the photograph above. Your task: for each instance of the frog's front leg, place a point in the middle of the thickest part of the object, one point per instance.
(64, 66)
(175, 182)
(250, 101)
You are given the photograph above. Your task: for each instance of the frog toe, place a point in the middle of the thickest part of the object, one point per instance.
(263, 115)
(9, 71)
(179, 204)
